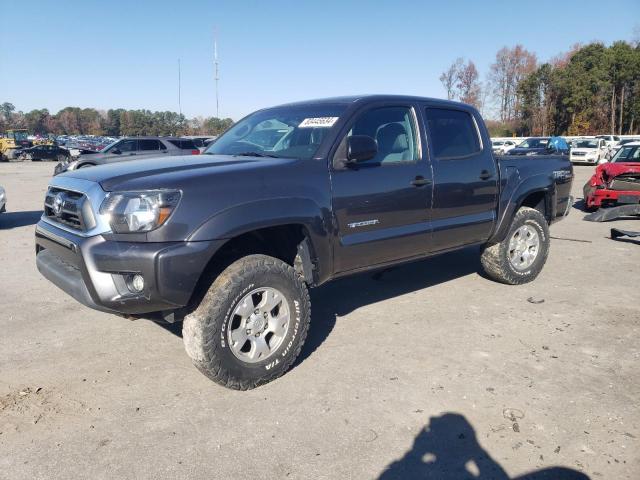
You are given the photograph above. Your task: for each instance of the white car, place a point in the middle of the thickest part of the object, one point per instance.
(611, 140)
(502, 147)
(3, 200)
(589, 150)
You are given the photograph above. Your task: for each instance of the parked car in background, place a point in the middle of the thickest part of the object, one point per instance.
(623, 142)
(541, 146)
(3, 200)
(616, 182)
(503, 147)
(589, 150)
(201, 141)
(611, 140)
(132, 148)
(45, 152)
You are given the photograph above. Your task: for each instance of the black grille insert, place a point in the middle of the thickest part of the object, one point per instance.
(68, 208)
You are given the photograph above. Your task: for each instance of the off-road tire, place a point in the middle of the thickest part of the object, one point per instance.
(204, 330)
(495, 258)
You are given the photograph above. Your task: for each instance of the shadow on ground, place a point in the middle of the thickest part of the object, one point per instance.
(19, 219)
(339, 298)
(447, 449)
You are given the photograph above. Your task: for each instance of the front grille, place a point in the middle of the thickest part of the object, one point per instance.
(578, 154)
(68, 208)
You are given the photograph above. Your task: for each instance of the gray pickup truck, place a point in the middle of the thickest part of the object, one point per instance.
(289, 198)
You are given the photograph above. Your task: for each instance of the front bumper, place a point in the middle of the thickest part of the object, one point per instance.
(583, 159)
(93, 270)
(598, 197)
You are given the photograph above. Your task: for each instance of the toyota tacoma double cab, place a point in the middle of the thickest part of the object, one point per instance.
(291, 197)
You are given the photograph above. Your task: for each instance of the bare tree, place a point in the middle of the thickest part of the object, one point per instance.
(468, 85)
(511, 66)
(449, 78)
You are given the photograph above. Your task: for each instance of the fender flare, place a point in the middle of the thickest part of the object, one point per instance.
(273, 212)
(516, 196)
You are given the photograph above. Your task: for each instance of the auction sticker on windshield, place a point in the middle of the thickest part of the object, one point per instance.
(322, 122)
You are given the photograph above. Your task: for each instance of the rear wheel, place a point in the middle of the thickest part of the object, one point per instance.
(519, 258)
(251, 324)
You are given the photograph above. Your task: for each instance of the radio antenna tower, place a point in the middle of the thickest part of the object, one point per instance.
(179, 89)
(215, 64)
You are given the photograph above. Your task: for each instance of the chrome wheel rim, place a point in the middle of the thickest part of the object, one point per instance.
(258, 325)
(524, 246)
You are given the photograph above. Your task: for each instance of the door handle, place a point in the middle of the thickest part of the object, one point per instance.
(420, 181)
(485, 175)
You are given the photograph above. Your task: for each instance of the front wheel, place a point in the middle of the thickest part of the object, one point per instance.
(519, 258)
(251, 324)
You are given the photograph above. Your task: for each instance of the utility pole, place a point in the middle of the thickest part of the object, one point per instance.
(215, 64)
(179, 89)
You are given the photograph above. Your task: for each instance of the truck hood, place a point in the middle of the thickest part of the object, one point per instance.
(166, 172)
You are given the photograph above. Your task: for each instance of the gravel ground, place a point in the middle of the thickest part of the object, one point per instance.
(420, 372)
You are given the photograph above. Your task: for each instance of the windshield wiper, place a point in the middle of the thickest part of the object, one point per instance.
(254, 154)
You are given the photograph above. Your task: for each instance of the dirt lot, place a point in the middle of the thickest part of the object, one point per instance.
(416, 373)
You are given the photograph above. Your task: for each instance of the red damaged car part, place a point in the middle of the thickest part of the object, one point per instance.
(613, 184)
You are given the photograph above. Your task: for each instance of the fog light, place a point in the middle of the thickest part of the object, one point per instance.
(136, 284)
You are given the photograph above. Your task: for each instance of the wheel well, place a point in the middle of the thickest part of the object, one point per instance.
(537, 201)
(280, 242)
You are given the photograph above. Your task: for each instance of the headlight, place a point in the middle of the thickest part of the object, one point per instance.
(131, 212)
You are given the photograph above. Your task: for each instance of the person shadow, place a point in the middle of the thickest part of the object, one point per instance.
(447, 449)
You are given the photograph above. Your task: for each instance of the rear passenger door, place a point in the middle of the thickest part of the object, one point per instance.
(465, 177)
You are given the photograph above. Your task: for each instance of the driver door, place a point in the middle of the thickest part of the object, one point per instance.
(382, 206)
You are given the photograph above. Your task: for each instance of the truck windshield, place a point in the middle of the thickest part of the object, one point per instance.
(286, 132)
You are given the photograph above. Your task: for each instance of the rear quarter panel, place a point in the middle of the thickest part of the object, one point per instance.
(522, 176)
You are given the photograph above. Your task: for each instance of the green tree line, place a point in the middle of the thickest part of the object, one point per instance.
(113, 122)
(591, 89)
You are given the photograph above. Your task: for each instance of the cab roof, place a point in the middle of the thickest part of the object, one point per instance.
(351, 99)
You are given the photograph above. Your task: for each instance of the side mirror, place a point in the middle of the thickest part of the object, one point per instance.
(115, 151)
(361, 148)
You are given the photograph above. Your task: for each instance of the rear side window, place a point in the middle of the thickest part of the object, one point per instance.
(453, 133)
(184, 144)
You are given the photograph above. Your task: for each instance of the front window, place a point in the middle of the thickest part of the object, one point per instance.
(19, 136)
(497, 144)
(394, 131)
(534, 143)
(286, 132)
(627, 154)
(126, 146)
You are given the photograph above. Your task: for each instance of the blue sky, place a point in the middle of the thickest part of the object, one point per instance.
(125, 54)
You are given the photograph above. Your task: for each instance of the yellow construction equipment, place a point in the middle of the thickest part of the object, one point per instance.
(11, 143)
